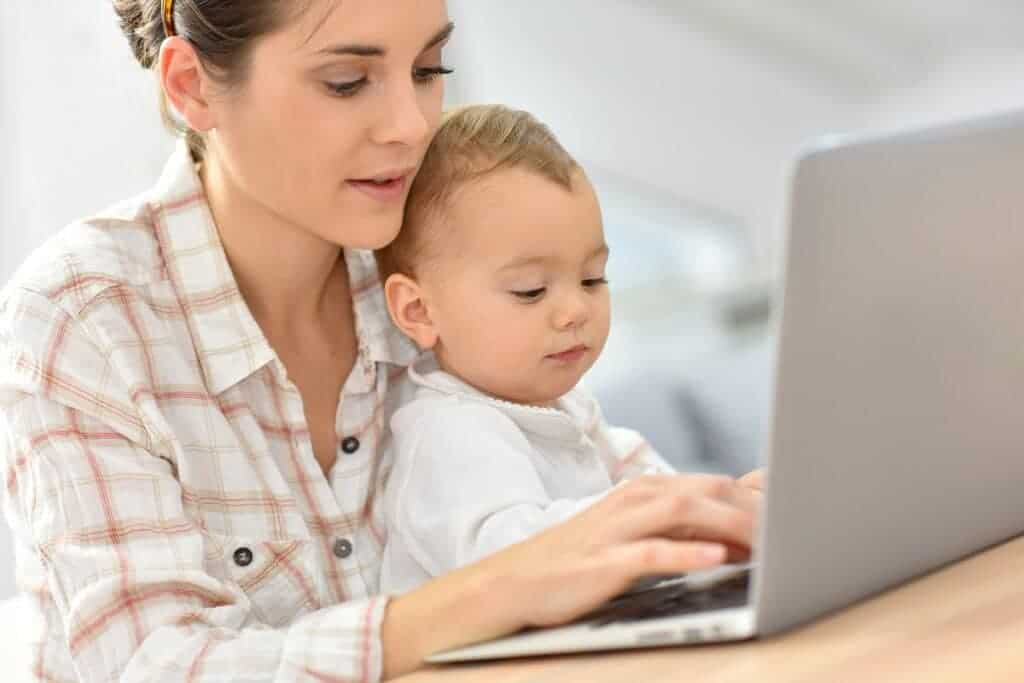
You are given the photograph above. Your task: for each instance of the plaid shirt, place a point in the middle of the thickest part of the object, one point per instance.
(171, 521)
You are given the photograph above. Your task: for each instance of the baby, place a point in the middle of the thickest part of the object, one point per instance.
(499, 271)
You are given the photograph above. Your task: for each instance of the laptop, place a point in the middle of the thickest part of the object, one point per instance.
(897, 436)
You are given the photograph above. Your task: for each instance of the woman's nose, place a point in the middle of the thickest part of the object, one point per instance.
(404, 119)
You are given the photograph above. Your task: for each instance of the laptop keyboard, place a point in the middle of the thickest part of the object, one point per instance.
(674, 597)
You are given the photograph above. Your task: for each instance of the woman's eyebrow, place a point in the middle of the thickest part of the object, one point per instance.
(376, 51)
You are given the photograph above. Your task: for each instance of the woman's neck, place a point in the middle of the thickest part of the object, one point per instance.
(290, 278)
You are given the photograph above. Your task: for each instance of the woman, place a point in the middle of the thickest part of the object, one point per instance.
(197, 381)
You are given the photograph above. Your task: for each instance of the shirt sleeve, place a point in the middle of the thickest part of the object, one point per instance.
(104, 515)
(464, 487)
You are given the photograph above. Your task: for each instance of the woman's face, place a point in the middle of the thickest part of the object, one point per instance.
(333, 119)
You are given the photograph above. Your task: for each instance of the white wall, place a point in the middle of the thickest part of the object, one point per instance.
(632, 89)
(974, 82)
(79, 120)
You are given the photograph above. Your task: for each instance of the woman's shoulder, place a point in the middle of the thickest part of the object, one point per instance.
(116, 247)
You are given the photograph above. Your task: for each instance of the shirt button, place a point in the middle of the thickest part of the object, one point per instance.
(350, 444)
(243, 557)
(342, 548)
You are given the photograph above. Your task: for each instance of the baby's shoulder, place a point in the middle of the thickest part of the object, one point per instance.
(441, 411)
(439, 416)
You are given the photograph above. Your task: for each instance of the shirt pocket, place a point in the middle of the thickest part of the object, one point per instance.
(277, 576)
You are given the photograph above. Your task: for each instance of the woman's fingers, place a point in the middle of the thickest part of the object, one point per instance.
(612, 571)
(715, 486)
(684, 508)
(661, 556)
(685, 517)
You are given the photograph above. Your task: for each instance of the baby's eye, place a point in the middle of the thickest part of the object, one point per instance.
(529, 294)
(595, 282)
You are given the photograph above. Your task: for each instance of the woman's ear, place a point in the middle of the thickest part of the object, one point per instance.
(410, 309)
(186, 84)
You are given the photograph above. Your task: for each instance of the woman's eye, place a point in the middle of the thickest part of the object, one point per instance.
(350, 88)
(346, 88)
(530, 294)
(595, 282)
(427, 74)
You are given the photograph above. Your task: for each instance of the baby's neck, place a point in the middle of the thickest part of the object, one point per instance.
(444, 366)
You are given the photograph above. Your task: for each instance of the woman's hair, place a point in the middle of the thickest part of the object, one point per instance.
(471, 143)
(221, 31)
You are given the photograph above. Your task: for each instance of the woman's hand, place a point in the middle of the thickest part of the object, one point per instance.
(652, 525)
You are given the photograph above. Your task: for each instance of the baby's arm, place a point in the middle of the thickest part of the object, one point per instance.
(629, 455)
(465, 486)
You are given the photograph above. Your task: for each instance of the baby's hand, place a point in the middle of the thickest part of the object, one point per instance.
(753, 480)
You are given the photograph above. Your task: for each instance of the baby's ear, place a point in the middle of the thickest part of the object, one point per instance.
(409, 309)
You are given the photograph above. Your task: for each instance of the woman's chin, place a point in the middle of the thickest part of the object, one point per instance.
(372, 237)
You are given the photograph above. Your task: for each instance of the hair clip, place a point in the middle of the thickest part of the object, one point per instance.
(167, 7)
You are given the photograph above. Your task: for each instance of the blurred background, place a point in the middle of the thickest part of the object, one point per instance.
(687, 114)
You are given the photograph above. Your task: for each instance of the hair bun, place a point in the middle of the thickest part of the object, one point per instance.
(142, 24)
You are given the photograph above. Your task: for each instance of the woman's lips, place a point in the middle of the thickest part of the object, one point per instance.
(388, 191)
(569, 355)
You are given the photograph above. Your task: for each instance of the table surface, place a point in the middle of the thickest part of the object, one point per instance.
(964, 622)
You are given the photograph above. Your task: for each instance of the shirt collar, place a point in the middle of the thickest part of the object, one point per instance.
(229, 343)
(572, 417)
(380, 340)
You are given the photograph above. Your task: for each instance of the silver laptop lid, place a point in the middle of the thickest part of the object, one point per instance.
(898, 436)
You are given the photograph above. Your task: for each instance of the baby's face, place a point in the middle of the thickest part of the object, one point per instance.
(518, 296)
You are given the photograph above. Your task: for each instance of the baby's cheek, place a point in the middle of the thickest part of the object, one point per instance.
(508, 350)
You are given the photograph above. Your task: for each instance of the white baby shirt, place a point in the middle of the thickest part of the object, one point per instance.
(473, 474)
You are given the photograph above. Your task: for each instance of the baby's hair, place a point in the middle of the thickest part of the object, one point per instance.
(471, 143)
